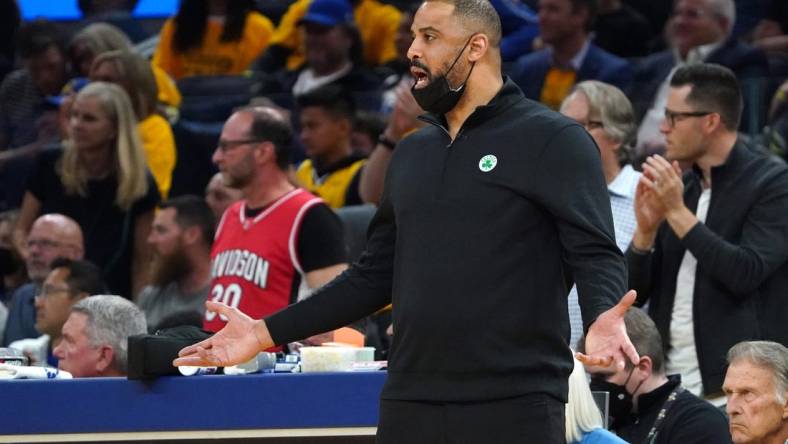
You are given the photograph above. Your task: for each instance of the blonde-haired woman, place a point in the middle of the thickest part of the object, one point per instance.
(583, 419)
(99, 179)
(132, 72)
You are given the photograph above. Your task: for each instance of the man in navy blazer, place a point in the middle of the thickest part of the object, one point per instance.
(565, 27)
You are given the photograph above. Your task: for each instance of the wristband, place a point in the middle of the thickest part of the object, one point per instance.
(640, 252)
(386, 142)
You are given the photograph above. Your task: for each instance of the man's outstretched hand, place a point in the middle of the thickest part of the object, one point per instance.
(239, 341)
(607, 342)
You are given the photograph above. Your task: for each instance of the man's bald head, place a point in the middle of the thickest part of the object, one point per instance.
(271, 125)
(477, 17)
(52, 236)
(64, 227)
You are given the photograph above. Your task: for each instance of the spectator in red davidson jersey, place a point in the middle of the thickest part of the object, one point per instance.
(279, 242)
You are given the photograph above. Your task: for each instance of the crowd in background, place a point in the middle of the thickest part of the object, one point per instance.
(117, 172)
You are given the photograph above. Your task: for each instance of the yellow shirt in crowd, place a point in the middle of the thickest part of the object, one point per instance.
(558, 84)
(377, 23)
(214, 57)
(168, 90)
(159, 145)
(332, 188)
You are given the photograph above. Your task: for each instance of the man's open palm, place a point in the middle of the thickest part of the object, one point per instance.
(234, 344)
(607, 342)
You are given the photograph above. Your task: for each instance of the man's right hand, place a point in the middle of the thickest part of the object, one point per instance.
(239, 341)
(404, 116)
(649, 214)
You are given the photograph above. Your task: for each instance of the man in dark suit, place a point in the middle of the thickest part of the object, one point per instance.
(699, 31)
(548, 75)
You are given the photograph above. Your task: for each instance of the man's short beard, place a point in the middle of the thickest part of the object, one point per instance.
(235, 182)
(170, 268)
(240, 175)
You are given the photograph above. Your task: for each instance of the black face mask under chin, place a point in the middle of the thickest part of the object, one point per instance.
(438, 97)
(621, 406)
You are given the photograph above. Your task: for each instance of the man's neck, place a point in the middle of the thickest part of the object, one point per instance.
(779, 437)
(716, 155)
(333, 156)
(565, 50)
(266, 188)
(685, 50)
(480, 90)
(611, 168)
(200, 275)
(111, 372)
(649, 385)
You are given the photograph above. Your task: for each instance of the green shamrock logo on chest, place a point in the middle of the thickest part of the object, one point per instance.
(487, 163)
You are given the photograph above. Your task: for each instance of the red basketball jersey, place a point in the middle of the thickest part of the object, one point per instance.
(254, 260)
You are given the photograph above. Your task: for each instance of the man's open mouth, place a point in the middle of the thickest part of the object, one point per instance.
(421, 76)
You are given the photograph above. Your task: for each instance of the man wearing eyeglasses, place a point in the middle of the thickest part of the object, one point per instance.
(278, 243)
(698, 31)
(710, 251)
(69, 282)
(51, 236)
(607, 115)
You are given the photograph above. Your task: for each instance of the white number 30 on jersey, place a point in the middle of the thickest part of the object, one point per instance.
(229, 296)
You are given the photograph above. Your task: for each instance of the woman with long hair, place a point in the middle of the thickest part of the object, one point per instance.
(212, 37)
(100, 180)
(133, 73)
(98, 38)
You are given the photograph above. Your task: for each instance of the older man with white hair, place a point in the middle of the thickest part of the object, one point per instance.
(605, 112)
(756, 386)
(95, 336)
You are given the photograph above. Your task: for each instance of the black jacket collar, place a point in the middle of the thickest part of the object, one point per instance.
(736, 161)
(508, 95)
(657, 397)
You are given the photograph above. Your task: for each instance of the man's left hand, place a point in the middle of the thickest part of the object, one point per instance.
(607, 342)
(664, 179)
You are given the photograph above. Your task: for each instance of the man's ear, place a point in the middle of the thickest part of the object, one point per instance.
(266, 153)
(646, 365)
(191, 235)
(725, 24)
(712, 122)
(479, 45)
(77, 252)
(785, 405)
(345, 125)
(105, 359)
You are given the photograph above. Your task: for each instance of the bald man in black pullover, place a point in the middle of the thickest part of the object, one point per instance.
(488, 215)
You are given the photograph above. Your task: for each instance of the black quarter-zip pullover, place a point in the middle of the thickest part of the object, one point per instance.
(476, 243)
